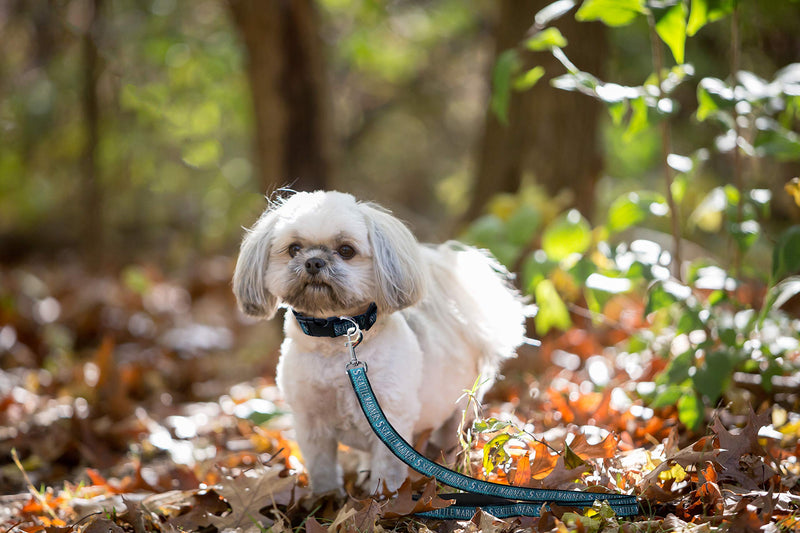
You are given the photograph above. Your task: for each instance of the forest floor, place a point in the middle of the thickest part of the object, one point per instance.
(142, 402)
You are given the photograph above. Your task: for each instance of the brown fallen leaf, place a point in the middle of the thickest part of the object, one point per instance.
(247, 494)
(604, 449)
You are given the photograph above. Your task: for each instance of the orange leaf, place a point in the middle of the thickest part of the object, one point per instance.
(604, 449)
(543, 461)
(523, 474)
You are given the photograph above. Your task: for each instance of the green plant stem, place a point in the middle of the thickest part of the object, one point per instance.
(738, 180)
(666, 149)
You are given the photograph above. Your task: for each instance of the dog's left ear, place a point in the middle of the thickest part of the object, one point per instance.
(398, 264)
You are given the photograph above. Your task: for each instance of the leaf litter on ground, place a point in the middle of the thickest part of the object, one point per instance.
(122, 405)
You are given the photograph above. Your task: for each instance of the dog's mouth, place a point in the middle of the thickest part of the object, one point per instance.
(315, 286)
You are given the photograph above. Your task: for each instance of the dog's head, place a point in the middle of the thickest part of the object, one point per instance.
(325, 254)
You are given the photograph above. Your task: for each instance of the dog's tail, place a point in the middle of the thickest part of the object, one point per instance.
(482, 301)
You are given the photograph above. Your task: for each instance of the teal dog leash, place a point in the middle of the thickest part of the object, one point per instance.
(502, 501)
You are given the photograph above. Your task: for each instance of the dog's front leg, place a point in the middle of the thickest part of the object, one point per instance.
(318, 446)
(386, 468)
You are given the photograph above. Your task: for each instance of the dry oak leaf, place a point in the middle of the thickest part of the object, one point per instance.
(247, 494)
(741, 455)
(404, 503)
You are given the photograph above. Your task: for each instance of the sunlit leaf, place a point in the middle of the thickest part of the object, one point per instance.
(553, 312)
(611, 12)
(494, 452)
(638, 121)
(568, 234)
(525, 81)
(671, 27)
(523, 474)
(707, 11)
(676, 473)
(545, 40)
(690, 411)
(792, 188)
(633, 208)
(784, 291)
(553, 11)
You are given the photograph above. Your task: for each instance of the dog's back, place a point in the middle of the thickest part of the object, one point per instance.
(470, 319)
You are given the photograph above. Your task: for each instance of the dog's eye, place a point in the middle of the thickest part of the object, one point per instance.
(294, 249)
(346, 251)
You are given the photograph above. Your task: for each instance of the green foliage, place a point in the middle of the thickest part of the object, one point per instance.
(699, 326)
(611, 12)
(671, 27)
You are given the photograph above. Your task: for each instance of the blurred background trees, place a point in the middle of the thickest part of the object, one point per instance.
(153, 128)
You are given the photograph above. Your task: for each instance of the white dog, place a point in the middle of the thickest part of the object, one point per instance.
(445, 315)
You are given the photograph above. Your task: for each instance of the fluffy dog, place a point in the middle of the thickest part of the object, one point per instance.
(445, 315)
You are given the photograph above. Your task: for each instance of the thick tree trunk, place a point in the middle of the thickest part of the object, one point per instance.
(293, 142)
(551, 134)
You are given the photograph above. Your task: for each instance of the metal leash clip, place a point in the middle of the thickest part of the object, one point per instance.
(351, 344)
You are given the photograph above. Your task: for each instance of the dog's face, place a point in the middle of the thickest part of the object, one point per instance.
(325, 254)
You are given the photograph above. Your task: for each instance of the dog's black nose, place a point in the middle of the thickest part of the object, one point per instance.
(314, 265)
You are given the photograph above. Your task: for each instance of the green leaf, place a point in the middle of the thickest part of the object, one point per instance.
(745, 233)
(546, 39)
(786, 254)
(486, 230)
(522, 224)
(712, 378)
(507, 65)
(489, 425)
(633, 208)
(639, 121)
(568, 234)
(525, 81)
(671, 27)
(662, 294)
(669, 396)
(494, 453)
(552, 311)
(202, 154)
(618, 110)
(611, 12)
(690, 411)
(707, 11)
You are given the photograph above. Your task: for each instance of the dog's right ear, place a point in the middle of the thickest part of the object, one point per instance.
(249, 278)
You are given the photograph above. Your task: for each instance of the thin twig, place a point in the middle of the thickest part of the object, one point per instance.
(666, 149)
(737, 163)
(31, 488)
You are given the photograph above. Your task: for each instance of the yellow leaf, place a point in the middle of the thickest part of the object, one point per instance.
(676, 472)
(792, 188)
(494, 453)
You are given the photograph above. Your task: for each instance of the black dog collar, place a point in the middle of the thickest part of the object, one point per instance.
(335, 326)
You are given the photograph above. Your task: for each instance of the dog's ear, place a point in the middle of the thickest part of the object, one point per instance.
(249, 278)
(397, 260)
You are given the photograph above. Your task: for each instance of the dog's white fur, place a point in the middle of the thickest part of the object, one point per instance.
(445, 316)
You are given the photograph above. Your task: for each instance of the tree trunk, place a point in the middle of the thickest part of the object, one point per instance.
(551, 134)
(285, 66)
(92, 236)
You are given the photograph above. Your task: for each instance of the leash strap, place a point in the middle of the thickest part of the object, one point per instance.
(506, 500)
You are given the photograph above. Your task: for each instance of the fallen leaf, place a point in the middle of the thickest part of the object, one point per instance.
(247, 494)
